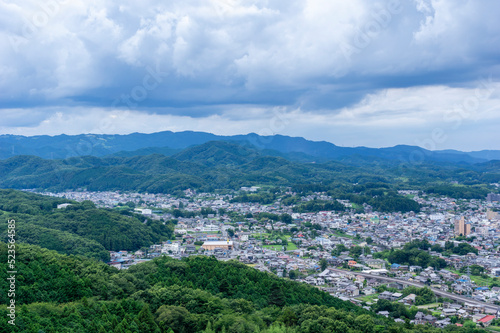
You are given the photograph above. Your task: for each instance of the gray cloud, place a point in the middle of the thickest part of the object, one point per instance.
(200, 59)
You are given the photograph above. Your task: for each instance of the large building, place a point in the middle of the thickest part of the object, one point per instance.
(212, 245)
(462, 228)
(493, 197)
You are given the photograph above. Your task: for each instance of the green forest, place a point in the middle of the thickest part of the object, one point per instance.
(222, 166)
(61, 293)
(80, 228)
(63, 285)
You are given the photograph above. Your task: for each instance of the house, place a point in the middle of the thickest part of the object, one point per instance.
(385, 295)
(190, 248)
(395, 267)
(430, 319)
(419, 318)
(369, 290)
(171, 248)
(486, 321)
(116, 264)
(398, 286)
(408, 300)
(352, 291)
(375, 263)
(449, 312)
(395, 296)
(212, 245)
(383, 313)
(442, 323)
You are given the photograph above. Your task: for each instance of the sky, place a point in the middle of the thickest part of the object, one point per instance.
(355, 73)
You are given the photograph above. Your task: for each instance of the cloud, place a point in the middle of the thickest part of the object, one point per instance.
(385, 118)
(358, 63)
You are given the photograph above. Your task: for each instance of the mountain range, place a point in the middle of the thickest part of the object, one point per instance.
(169, 143)
(230, 165)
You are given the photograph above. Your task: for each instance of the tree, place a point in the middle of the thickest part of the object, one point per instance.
(365, 323)
(339, 249)
(286, 218)
(288, 317)
(356, 251)
(145, 318)
(369, 240)
(277, 296)
(230, 232)
(177, 318)
(323, 264)
(209, 329)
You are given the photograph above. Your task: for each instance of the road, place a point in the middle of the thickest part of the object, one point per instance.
(438, 292)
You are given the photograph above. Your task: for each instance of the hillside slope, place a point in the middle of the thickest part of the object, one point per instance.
(59, 293)
(80, 228)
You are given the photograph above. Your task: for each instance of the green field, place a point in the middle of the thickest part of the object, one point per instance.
(429, 306)
(368, 298)
(341, 234)
(480, 281)
(289, 247)
(261, 235)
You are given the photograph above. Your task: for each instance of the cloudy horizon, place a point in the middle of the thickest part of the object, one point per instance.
(357, 73)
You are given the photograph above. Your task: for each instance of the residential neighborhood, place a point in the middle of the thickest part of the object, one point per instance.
(345, 254)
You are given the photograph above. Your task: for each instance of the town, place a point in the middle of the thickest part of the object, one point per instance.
(442, 263)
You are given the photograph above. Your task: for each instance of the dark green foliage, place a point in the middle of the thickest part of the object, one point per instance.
(146, 322)
(474, 269)
(79, 228)
(314, 206)
(460, 249)
(459, 192)
(394, 204)
(424, 295)
(222, 165)
(60, 293)
(50, 277)
(415, 254)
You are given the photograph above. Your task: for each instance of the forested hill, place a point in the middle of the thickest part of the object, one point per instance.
(80, 228)
(223, 165)
(65, 146)
(59, 293)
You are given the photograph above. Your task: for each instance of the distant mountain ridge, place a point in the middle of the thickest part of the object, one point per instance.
(228, 165)
(169, 143)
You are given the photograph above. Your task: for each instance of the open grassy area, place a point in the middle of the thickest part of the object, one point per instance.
(273, 247)
(368, 298)
(357, 206)
(341, 234)
(429, 306)
(261, 235)
(480, 281)
(290, 247)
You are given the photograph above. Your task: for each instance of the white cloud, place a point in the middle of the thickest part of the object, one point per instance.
(285, 43)
(360, 64)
